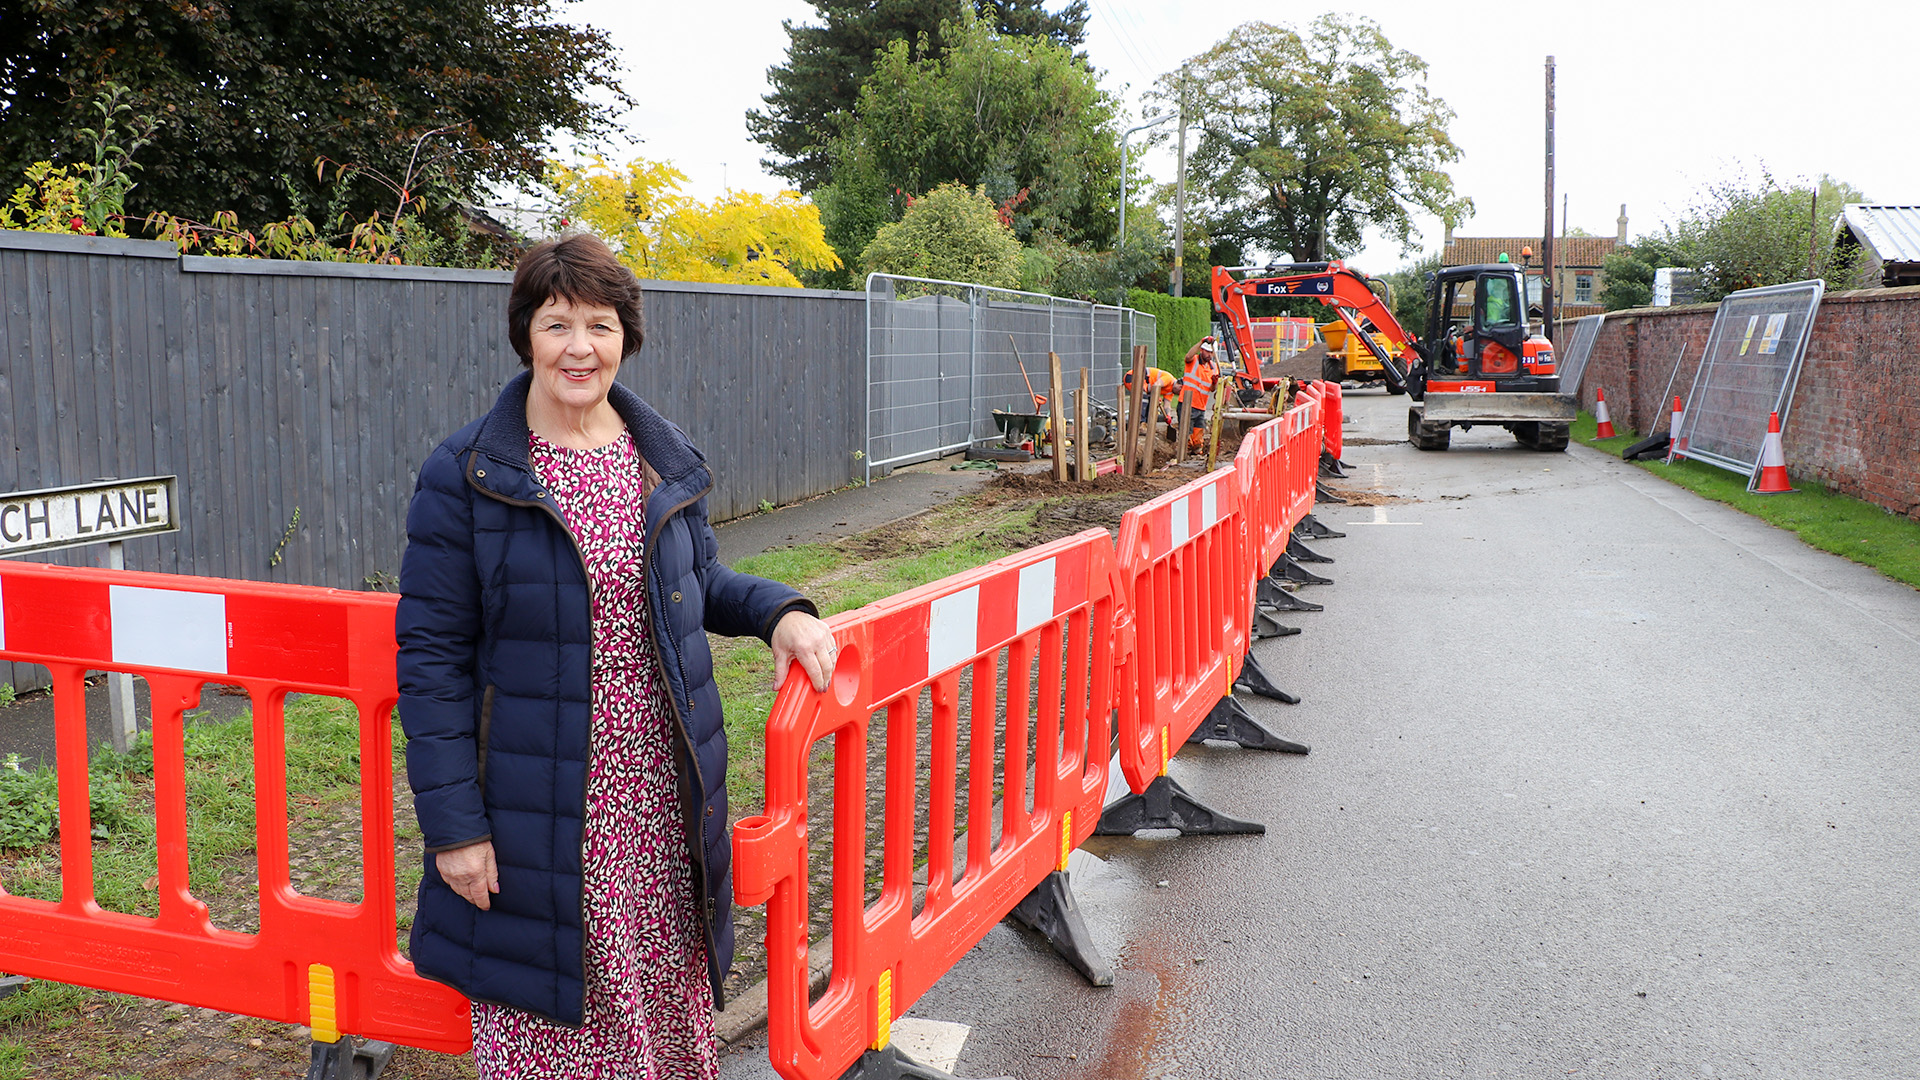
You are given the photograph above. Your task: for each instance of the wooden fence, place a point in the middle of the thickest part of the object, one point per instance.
(284, 390)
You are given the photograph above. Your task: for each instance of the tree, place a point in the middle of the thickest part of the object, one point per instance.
(952, 233)
(1015, 115)
(1410, 297)
(1305, 140)
(1742, 234)
(827, 65)
(742, 238)
(250, 94)
(1628, 271)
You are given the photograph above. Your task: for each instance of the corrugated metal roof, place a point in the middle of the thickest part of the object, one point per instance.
(1892, 231)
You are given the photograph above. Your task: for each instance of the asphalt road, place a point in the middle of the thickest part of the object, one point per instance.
(1606, 780)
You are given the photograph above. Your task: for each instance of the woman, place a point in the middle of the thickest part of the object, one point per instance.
(564, 737)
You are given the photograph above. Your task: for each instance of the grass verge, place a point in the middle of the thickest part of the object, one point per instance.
(1840, 524)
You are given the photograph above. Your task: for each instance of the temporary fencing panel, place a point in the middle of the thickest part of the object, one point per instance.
(331, 965)
(1055, 608)
(1750, 368)
(1184, 566)
(1571, 364)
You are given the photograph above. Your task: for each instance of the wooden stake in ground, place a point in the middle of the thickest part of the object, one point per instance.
(1056, 420)
(1186, 424)
(1133, 407)
(1219, 414)
(1082, 430)
(1152, 424)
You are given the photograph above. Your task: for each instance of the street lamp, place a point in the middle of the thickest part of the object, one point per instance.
(1121, 249)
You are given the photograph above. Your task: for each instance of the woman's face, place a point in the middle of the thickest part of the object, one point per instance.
(576, 352)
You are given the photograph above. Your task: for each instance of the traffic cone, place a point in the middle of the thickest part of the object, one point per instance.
(1605, 430)
(1773, 461)
(1676, 441)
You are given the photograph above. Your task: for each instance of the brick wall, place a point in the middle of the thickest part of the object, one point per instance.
(1855, 424)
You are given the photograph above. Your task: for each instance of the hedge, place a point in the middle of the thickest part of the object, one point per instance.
(1179, 320)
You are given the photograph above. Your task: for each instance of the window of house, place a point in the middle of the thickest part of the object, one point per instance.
(1535, 287)
(1583, 288)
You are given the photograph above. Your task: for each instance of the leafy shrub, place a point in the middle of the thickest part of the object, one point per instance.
(1179, 321)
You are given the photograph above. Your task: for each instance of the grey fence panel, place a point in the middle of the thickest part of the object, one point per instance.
(943, 357)
(1572, 365)
(272, 386)
(1749, 369)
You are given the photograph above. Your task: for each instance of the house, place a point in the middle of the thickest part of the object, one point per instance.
(1578, 285)
(1888, 238)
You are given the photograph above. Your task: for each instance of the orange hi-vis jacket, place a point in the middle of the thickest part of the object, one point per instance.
(1198, 385)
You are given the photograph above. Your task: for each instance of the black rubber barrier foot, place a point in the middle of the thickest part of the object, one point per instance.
(891, 1064)
(1166, 805)
(1293, 571)
(1051, 909)
(1653, 446)
(1266, 626)
(349, 1059)
(1254, 680)
(1302, 553)
(1330, 465)
(1322, 494)
(1310, 528)
(1231, 722)
(1272, 595)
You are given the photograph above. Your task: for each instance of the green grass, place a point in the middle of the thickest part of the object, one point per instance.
(838, 579)
(1840, 524)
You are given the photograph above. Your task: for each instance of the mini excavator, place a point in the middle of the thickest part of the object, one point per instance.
(1478, 362)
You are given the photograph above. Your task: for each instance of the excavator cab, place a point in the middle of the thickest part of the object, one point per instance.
(1477, 334)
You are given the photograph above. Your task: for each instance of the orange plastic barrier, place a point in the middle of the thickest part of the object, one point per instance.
(1185, 567)
(1265, 497)
(1332, 435)
(326, 964)
(1304, 441)
(1056, 615)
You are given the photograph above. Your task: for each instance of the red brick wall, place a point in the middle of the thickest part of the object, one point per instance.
(1855, 423)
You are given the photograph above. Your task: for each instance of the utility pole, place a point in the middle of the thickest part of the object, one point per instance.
(1813, 229)
(1546, 238)
(1121, 250)
(1180, 201)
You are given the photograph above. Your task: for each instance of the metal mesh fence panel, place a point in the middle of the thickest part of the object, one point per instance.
(942, 356)
(1752, 362)
(1573, 361)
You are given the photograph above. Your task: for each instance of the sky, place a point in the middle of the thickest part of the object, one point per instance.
(1653, 100)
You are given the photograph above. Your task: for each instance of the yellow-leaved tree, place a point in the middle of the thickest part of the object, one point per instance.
(740, 238)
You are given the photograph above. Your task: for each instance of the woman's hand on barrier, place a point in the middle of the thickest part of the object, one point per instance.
(806, 640)
(470, 871)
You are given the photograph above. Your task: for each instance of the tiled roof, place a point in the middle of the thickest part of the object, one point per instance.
(1573, 251)
(1892, 231)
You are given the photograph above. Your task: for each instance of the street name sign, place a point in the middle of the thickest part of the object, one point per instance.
(100, 512)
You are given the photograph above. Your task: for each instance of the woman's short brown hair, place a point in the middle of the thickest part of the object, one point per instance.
(580, 269)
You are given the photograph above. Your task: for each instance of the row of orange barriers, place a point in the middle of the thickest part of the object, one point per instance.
(1007, 674)
(984, 707)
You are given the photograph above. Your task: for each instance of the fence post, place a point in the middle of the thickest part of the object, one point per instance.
(1056, 418)
(1082, 430)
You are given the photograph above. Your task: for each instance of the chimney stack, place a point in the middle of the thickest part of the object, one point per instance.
(1620, 225)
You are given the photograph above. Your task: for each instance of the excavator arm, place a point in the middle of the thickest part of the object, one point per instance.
(1331, 283)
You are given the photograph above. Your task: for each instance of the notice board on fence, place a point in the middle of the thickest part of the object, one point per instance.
(1752, 363)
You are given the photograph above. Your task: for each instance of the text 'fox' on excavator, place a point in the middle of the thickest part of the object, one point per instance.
(1478, 363)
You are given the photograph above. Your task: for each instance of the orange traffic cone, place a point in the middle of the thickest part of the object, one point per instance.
(1605, 430)
(1773, 461)
(1676, 441)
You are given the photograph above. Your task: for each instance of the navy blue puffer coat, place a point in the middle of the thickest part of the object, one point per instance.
(495, 636)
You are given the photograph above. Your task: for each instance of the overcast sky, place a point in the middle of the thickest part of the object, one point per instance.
(1654, 99)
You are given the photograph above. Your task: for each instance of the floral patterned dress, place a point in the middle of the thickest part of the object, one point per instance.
(649, 1007)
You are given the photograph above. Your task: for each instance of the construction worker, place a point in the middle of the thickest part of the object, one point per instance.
(1201, 369)
(1197, 386)
(1161, 387)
